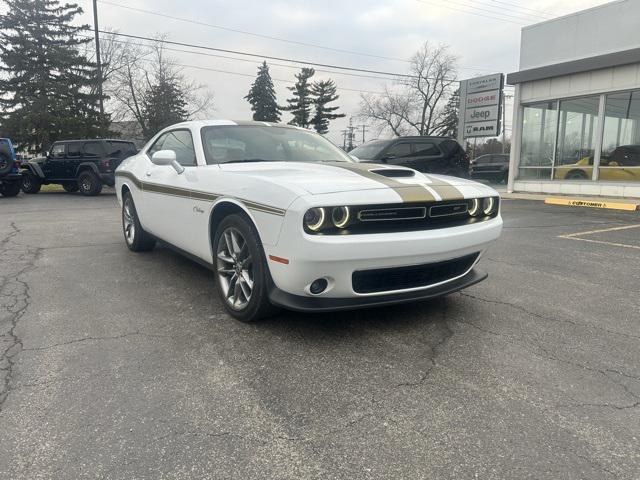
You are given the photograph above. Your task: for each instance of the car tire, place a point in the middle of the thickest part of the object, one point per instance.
(31, 183)
(89, 183)
(6, 163)
(70, 187)
(242, 275)
(134, 235)
(10, 189)
(576, 175)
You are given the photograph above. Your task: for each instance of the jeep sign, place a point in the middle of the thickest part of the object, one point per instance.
(480, 107)
(481, 114)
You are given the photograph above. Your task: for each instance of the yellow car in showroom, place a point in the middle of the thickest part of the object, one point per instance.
(621, 165)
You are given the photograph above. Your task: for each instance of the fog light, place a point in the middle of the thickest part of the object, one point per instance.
(318, 286)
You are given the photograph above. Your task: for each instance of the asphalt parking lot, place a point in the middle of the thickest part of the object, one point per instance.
(123, 366)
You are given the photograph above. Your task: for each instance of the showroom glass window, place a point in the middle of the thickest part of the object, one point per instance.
(577, 131)
(620, 159)
(539, 128)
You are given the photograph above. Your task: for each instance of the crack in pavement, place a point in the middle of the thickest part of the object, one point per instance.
(17, 290)
(548, 355)
(549, 319)
(95, 339)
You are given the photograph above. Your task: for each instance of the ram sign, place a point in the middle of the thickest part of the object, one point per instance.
(480, 107)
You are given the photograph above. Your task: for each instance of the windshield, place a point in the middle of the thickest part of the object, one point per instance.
(369, 150)
(256, 143)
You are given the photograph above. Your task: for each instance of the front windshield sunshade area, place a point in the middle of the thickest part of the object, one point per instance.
(255, 143)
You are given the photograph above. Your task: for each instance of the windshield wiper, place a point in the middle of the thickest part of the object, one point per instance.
(250, 160)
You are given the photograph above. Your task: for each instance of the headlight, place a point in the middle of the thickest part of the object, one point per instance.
(340, 216)
(474, 207)
(314, 219)
(489, 206)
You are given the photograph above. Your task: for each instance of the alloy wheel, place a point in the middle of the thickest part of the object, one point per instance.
(235, 268)
(129, 223)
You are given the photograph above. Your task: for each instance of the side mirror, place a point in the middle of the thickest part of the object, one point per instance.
(165, 158)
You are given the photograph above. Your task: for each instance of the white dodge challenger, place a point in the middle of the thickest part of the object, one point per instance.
(286, 219)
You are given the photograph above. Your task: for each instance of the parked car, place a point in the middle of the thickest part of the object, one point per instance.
(621, 165)
(285, 218)
(84, 165)
(425, 154)
(493, 167)
(10, 178)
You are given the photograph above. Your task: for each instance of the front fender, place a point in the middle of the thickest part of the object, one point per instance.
(34, 168)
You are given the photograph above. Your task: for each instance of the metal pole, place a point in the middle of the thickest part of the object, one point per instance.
(98, 61)
(504, 130)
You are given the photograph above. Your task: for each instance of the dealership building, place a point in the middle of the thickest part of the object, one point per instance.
(576, 120)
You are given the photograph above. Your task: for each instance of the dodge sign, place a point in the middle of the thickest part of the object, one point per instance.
(480, 107)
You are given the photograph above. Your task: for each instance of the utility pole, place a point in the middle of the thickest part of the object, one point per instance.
(98, 61)
(364, 131)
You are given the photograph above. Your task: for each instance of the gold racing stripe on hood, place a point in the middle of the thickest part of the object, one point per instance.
(408, 192)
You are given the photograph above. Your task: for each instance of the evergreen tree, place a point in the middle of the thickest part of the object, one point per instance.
(449, 126)
(302, 101)
(324, 92)
(164, 104)
(262, 97)
(46, 84)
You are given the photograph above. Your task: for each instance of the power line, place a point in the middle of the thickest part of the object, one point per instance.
(197, 22)
(256, 55)
(245, 32)
(471, 12)
(252, 61)
(510, 10)
(522, 7)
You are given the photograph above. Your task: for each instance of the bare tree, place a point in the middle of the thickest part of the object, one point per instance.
(132, 71)
(415, 104)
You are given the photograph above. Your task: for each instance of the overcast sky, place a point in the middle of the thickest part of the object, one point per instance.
(486, 41)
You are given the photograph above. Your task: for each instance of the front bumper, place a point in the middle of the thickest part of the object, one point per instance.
(320, 304)
(336, 257)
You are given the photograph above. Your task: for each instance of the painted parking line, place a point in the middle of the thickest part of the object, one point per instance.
(578, 235)
(578, 202)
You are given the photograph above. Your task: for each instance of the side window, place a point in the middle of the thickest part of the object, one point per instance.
(181, 143)
(157, 145)
(399, 150)
(121, 149)
(92, 150)
(425, 149)
(57, 151)
(74, 150)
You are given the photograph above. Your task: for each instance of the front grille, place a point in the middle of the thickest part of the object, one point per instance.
(414, 276)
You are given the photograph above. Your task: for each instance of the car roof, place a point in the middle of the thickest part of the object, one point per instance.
(225, 122)
(94, 140)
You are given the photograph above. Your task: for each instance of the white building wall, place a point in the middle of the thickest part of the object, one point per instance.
(612, 27)
(626, 77)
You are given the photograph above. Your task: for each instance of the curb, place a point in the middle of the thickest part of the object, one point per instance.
(582, 202)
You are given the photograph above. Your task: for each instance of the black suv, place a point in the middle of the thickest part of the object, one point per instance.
(10, 178)
(494, 167)
(83, 165)
(425, 154)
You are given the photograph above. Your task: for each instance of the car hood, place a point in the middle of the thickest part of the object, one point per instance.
(335, 177)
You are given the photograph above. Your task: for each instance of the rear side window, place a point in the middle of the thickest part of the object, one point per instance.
(92, 149)
(57, 151)
(121, 149)
(425, 149)
(399, 150)
(74, 150)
